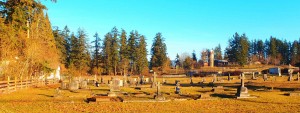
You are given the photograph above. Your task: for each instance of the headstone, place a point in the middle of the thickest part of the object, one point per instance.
(83, 84)
(74, 85)
(191, 80)
(159, 96)
(101, 80)
(298, 77)
(121, 83)
(164, 81)
(242, 91)
(153, 85)
(253, 76)
(290, 74)
(125, 80)
(265, 77)
(147, 80)
(177, 88)
(64, 85)
(114, 87)
(215, 78)
(142, 80)
(228, 77)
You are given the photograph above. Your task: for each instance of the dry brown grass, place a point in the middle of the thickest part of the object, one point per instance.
(42, 100)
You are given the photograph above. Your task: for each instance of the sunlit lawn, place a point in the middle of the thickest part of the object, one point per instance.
(42, 99)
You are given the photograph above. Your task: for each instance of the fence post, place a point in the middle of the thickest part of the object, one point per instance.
(8, 80)
(21, 81)
(26, 81)
(15, 82)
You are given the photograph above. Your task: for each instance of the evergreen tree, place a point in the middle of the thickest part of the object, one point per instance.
(218, 52)
(124, 56)
(158, 52)
(107, 53)
(95, 66)
(132, 48)
(238, 49)
(115, 49)
(142, 62)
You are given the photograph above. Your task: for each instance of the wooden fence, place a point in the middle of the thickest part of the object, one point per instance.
(14, 84)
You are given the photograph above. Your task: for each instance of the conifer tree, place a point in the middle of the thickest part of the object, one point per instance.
(124, 56)
(142, 62)
(158, 52)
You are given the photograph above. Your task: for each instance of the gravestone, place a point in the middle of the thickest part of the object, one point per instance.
(74, 85)
(121, 83)
(265, 77)
(298, 77)
(214, 77)
(229, 77)
(191, 80)
(64, 85)
(83, 84)
(153, 85)
(290, 74)
(57, 93)
(177, 88)
(164, 81)
(142, 80)
(114, 87)
(101, 80)
(242, 91)
(147, 80)
(253, 76)
(159, 96)
(125, 80)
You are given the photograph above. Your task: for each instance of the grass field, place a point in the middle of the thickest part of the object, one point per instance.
(42, 99)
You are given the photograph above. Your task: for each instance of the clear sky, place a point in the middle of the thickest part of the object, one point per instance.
(186, 25)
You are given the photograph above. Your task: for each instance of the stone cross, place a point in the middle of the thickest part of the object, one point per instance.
(154, 80)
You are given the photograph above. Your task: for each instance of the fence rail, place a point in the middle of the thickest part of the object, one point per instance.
(15, 84)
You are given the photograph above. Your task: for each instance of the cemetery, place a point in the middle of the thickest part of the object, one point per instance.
(156, 91)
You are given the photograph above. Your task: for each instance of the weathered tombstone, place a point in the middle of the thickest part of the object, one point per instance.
(153, 85)
(159, 96)
(114, 87)
(101, 80)
(191, 80)
(64, 85)
(242, 91)
(290, 74)
(177, 88)
(83, 84)
(164, 81)
(121, 83)
(215, 78)
(142, 80)
(57, 93)
(298, 77)
(74, 85)
(125, 79)
(265, 77)
(229, 77)
(253, 76)
(147, 80)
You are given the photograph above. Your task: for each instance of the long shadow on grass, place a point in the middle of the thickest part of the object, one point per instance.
(223, 95)
(46, 95)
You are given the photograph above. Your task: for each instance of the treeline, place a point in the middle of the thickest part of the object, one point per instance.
(115, 54)
(271, 51)
(27, 45)
(242, 51)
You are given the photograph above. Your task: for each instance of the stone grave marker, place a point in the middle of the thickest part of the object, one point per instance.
(242, 91)
(64, 85)
(253, 76)
(153, 85)
(290, 74)
(191, 80)
(74, 85)
(114, 87)
(147, 80)
(177, 88)
(229, 77)
(125, 80)
(159, 96)
(265, 77)
(83, 84)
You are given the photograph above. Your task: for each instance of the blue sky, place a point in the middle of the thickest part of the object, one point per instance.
(186, 25)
